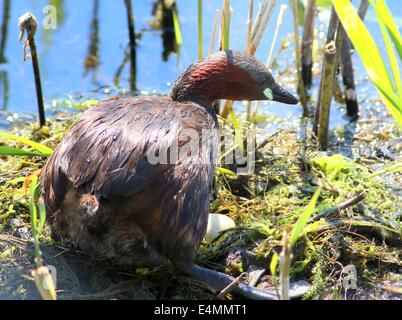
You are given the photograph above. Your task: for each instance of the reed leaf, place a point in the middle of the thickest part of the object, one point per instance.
(226, 25)
(382, 10)
(10, 151)
(370, 54)
(200, 31)
(177, 29)
(302, 221)
(37, 146)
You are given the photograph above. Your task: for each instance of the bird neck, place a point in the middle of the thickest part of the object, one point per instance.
(205, 81)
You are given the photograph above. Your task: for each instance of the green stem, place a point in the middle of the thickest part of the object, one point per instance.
(200, 31)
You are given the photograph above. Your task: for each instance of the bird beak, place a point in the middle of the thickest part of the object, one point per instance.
(277, 93)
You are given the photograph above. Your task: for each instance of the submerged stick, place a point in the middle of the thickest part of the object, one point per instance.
(133, 45)
(341, 206)
(28, 23)
(232, 286)
(307, 44)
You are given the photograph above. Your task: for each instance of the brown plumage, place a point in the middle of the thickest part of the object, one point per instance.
(114, 187)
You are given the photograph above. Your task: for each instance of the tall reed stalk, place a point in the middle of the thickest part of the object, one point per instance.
(224, 45)
(279, 21)
(387, 80)
(332, 27)
(352, 106)
(133, 45)
(326, 92)
(248, 44)
(307, 44)
(200, 31)
(302, 91)
(28, 23)
(211, 46)
(254, 36)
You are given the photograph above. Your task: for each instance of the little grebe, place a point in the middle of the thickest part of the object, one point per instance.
(104, 194)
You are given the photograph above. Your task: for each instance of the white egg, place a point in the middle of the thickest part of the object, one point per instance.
(217, 223)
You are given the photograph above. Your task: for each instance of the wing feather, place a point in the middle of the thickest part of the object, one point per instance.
(107, 151)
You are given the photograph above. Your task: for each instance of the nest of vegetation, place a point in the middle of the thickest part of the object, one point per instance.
(361, 243)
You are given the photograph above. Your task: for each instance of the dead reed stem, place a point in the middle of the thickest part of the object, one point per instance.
(285, 258)
(211, 46)
(332, 27)
(28, 23)
(326, 91)
(271, 50)
(250, 26)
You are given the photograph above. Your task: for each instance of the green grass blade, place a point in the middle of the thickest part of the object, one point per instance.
(10, 151)
(226, 25)
(200, 31)
(388, 28)
(177, 29)
(237, 131)
(393, 103)
(225, 171)
(37, 146)
(274, 264)
(386, 16)
(42, 215)
(362, 41)
(397, 168)
(302, 221)
(392, 58)
(34, 217)
(370, 56)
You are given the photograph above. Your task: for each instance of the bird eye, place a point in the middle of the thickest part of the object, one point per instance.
(262, 80)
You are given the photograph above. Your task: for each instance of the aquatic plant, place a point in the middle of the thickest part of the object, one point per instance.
(39, 149)
(28, 23)
(387, 82)
(200, 31)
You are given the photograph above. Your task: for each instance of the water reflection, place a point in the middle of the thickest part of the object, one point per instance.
(48, 33)
(4, 85)
(96, 31)
(92, 60)
(4, 89)
(4, 30)
(132, 45)
(163, 12)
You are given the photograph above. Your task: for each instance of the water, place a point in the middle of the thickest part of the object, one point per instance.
(63, 51)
